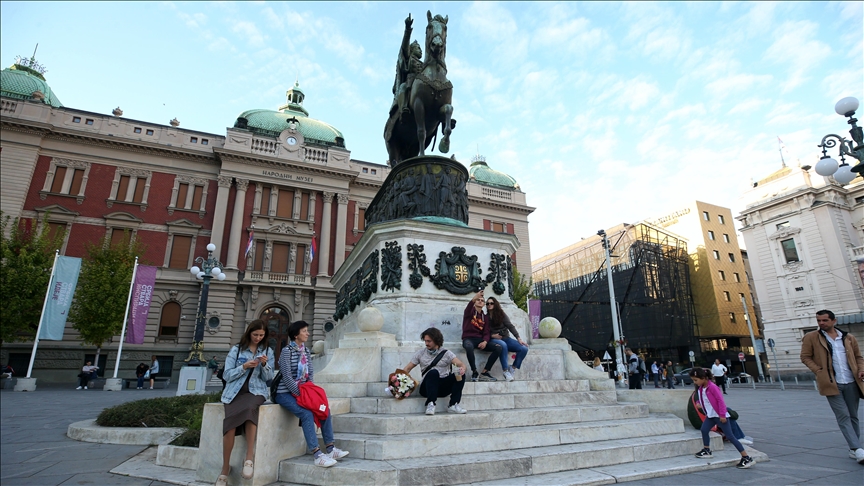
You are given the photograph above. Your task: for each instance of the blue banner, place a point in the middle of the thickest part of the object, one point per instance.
(60, 294)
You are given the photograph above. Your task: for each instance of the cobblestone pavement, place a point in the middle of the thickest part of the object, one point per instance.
(794, 427)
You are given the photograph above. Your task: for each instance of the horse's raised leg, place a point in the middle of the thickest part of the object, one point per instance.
(420, 121)
(446, 114)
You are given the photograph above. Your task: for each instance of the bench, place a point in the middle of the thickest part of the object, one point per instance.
(159, 382)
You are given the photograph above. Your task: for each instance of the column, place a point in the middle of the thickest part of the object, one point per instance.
(219, 214)
(324, 246)
(236, 235)
(341, 227)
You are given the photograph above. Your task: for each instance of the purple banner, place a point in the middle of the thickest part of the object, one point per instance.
(142, 294)
(534, 316)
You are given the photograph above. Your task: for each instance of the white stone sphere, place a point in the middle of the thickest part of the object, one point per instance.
(318, 347)
(550, 328)
(370, 320)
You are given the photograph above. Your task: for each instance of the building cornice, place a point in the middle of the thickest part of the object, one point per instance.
(495, 204)
(274, 163)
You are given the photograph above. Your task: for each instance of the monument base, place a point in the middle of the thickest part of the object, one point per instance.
(113, 384)
(193, 379)
(25, 384)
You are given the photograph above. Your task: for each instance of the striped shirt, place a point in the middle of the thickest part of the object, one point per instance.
(289, 361)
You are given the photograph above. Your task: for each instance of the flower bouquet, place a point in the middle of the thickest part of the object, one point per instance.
(400, 384)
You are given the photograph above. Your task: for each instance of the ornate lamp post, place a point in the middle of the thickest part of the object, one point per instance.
(842, 172)
(204, 270)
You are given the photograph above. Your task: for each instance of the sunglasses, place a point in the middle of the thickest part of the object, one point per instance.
(490, 303)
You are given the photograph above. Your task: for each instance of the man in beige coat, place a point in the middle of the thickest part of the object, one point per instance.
(834, 357)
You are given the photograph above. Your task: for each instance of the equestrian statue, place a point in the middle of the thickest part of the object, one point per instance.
(421, 95)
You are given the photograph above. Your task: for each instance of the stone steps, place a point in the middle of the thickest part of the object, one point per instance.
(483, 402)
(501, 386)
(444, 422)
(477, 439)
(532, 465)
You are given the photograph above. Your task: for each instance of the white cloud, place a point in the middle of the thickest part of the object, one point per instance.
(737, 85)
(796, 49)
(249, 32)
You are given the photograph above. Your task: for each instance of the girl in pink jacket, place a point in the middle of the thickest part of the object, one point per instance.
(711, 401)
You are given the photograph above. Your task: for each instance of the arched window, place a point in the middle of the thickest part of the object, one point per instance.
(277, 320)
(169, 323)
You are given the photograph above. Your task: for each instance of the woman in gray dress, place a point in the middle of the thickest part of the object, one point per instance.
(247, 369)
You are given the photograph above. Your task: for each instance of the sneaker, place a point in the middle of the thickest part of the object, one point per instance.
(85, 387)
(324, 460)
(430, 409)
(487, 377)
(474, 375)
(704, 454)
(746, 441)
(337, 453)
(456, 408)
(859, 455)
(853, 455)
(508, 376)
(745, 462)
(248, 469)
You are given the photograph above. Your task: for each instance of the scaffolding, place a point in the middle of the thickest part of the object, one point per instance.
(651, 276)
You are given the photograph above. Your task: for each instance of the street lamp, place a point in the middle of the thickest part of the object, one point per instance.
(843, 172)
(209, 268)
(617, 335)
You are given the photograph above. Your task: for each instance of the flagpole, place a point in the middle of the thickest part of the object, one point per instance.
(42, 315)
(125, 318)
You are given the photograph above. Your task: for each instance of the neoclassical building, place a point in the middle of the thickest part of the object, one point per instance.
(279, 175)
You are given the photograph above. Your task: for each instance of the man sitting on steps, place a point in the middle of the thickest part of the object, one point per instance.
(438, 381)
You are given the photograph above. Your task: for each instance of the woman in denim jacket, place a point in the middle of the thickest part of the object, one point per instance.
(248, 367)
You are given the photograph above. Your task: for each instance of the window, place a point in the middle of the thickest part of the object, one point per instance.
(55, 230)
(265, 201)
(89, 121)
(67, 177)
(258, 264)
(716, 255)
(740, 296)
(301, 259)
(732, 257)
(137, 130)
(737, 277)
(149, 132)
(365, 170)
(194, 139)
(725, 238)
(181, 247)
(304, 206)
(76, 119)
(790, 253)
(361, 219)
(721, 219)
(722, 274)
(499, 227)
(285, 204)
(374, 171)
(710, 235)
(169, 322)
(130, 186)
(705, 216)
(726, 296)
(731, 317)
(784, 224)
(119, 236)
(280, 261)
(189, 193)
(204, 141)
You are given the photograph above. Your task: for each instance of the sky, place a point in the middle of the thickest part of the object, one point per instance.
(604, 113)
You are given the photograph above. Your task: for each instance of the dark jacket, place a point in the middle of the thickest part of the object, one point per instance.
(817, 355)
(475, 325)
(504, 328)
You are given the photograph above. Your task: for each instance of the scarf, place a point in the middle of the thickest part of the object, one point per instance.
(303, 365)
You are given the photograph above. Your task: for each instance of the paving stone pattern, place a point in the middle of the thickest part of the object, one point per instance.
(794, 427)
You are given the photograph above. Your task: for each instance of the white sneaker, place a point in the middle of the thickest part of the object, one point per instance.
(324, 460)
(85, 387)
(78, 388)
(430, 409)
(745, 441)
(508, 376)
(337, 453)
(456, 408)
(859, 455)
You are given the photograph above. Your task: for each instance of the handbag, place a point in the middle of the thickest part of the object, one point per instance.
(147, 374)
(274, 384)
(434, 362)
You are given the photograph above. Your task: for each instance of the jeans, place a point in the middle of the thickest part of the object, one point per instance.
(736, 429)
(494, 352)
(509, 345)
(434, 387)
(307, 421)
(845, 408)
(709, 424)
(721, 382)
(141, 381)
(636, 381)
(656, 380)
(670, 382)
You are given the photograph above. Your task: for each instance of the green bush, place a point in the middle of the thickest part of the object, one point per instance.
(186, 411)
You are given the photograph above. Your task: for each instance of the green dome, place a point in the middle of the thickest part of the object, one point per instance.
(271, 122)
(20, 82)
(482, 174)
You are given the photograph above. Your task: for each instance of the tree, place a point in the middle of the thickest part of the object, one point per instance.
(522, 290)
(26, 259)
(103, 287)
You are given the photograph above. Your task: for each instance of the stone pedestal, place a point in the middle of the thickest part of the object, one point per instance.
(25, 384)
(113, 384)
(193, 379)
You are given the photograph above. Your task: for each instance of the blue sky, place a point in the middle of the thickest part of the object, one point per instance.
(603, 112)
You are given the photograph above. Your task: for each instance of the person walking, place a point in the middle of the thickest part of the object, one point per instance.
(247, 370)
(655, 372)
(476, 333)
(438, 381)
(154, 370)
(295, 363)
(669, 371)
(634, 371)
(834, 357)
(501, 328)
(719, 372)
(714, 408)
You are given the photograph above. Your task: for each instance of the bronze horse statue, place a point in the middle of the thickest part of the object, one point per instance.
(429, 100)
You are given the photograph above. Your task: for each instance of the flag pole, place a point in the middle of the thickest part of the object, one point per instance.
(42, 315)
(125, 318)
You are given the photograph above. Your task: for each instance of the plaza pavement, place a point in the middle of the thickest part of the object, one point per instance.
(794, 427)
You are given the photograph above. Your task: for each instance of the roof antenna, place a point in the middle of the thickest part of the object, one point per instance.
(782, 148)
(34, 50)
